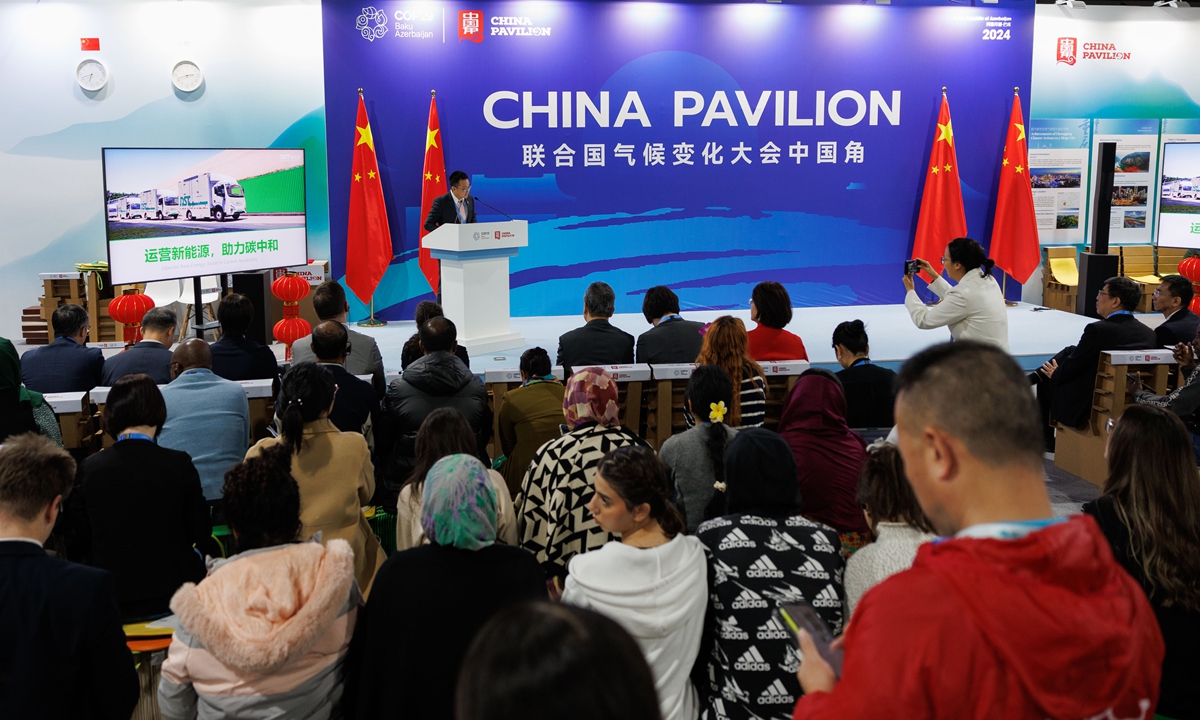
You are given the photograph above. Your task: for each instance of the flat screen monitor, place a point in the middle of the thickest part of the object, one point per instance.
(1179, 196)
(188, 212)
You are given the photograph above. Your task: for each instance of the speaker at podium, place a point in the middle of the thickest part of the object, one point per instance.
(474, 262)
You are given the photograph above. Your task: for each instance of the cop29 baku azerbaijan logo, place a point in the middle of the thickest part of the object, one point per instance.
(372, 24)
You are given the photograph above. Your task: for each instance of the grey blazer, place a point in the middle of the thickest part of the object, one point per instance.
(364, 357)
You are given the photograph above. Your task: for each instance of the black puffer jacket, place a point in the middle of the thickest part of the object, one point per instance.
(433, 381)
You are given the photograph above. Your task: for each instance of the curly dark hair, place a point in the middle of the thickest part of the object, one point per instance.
(262, 500)
(638, 476)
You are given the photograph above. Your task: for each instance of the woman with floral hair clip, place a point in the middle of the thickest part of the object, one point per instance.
(696, 458)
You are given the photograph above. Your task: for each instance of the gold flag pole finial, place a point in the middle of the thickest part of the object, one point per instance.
(433, 93)
(360, 91)
(943, 89)
(1016, 91)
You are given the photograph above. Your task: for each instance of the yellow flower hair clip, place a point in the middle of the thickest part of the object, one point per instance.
(717, 411)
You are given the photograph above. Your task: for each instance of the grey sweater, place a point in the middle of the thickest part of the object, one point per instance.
(686, 455)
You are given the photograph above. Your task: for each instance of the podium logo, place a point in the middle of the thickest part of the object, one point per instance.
(470, 25)
(372, 23)
(1066, 50)
(485, 235)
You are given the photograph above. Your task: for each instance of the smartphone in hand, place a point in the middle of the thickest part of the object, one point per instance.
(802, 615)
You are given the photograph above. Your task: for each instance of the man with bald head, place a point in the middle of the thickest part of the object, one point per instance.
(355, 407)
(208, 417)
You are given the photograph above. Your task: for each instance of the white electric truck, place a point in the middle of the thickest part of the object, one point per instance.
(209, 195)
(159, 204)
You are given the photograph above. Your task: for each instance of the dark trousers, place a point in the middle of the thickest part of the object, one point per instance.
(1045, 398)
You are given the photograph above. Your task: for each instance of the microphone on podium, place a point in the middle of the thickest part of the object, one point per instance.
(476, 198)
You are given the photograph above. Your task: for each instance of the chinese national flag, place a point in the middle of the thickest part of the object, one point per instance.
(1014, 232)
(368, 239)
(942, 217)
(433, 185)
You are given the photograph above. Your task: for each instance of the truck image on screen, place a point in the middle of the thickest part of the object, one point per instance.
(159, 204)
(209, 195)
(130, 207)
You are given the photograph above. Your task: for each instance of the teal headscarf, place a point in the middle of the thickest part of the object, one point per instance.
(10, 376)
(458, 504)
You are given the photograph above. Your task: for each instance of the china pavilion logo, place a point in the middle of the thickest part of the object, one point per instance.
(372, 23)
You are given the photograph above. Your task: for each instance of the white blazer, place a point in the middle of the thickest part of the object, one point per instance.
(974, 309)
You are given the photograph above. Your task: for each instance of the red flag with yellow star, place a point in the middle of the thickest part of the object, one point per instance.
(942, 217)
(433, 186)
(1015, 245)
(368, 239)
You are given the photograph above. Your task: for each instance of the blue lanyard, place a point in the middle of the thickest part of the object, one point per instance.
(1119, 312)
(669, 318)
(134, 436)
(864, 361)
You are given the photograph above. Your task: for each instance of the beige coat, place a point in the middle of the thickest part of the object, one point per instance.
(408, 516)
(336, 478)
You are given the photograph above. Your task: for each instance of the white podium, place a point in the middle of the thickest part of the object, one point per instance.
(474, 260)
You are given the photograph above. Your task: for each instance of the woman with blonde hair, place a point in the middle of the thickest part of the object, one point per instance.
(1150, 513)
(726, 345)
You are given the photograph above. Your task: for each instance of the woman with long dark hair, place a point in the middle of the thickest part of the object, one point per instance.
(445, 432)
(696, 457)
(332, 468)
(726, 345)
(1150, 513)
(653, 581)
(973, 307)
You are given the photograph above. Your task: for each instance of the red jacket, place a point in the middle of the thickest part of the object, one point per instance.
(768, 344)
(1046, 626)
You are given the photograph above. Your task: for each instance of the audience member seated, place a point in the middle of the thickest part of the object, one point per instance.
(138, 510)
(725, 346)
(426, 311)
(868, 386)
(267, 632)
(672, 339)
(973, 308)
(1065, 383)
(16, 402)
(67, 364)
(429, 602)
(208, 417)
(654, 581)
(762, 554)
(150, 355)
(1150, 513)
(1172, 298)
(529, 417)
(64, 650)
(445, 432)
(544, 661)
(896, 521)
(1017, 613)
(552, 519)
(598, 342)
(438, 379)
(355, 406)
(332, 468)
(771, 308)
(329, 302)
(828, 454)
(696, 457)
(1184, 400)
(234, 356)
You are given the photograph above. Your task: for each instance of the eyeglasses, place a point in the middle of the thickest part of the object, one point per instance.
(1108, 426)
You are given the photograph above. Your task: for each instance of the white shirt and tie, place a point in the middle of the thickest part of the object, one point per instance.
(460, 205)
(973, 309)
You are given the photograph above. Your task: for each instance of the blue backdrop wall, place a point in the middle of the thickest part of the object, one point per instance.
(707, 147)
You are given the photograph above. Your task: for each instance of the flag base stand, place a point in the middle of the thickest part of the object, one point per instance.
(372, 321)
(1004, 292)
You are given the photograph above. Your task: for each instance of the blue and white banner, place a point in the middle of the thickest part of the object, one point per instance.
(706, 147)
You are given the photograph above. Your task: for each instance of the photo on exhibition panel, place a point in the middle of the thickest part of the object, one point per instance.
(187, 212)
(1179, 199)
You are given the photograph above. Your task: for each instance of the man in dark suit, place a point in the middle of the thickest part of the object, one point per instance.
(64, 650)
(355, 406)
(456, 206)
(597, 342)
(233, 356)
(151, 355)
(1066, 382)
(329, 302)
(672, 339)
(67, 364)
(1172, 298)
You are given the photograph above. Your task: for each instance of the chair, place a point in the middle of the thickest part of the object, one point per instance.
(149, 644)
(210, 292)
(1060, 279)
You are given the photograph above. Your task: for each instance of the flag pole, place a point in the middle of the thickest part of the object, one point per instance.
(371, 321)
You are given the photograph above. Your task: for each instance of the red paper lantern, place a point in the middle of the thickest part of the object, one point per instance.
(291, 289)
(1189, 267)
(129, 309)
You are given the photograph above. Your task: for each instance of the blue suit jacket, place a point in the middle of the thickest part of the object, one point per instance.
(148, 357)
(62, 366)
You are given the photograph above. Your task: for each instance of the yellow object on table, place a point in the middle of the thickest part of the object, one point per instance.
(1064, 270)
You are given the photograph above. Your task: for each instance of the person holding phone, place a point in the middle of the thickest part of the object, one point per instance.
(973, 308)
(1184, 400)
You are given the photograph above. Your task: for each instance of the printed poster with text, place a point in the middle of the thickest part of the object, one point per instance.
(1058, 169)
(1177, 203)
(1136, 170)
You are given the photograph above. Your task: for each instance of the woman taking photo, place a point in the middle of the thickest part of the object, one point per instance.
(696, 457)
(529, 417)
(725, 345)
(332, 468)
(973, 308)
(1150, 513)
(654, 581)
